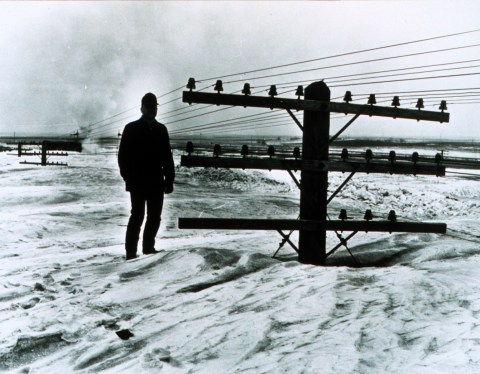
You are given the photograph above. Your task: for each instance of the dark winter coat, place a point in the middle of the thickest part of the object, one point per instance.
(145, 156)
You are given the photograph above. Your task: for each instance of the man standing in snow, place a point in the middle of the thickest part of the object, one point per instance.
(146, 165)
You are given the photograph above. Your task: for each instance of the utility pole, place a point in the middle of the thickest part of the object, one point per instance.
(313, 193)
(48, 149)
(314, 222)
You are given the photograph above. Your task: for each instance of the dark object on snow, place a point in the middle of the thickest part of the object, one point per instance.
(124, 334)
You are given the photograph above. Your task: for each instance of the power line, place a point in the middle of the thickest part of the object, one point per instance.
(356, 63)
(426, 97)
(196, 116)
(180, 87)
(432, 77)
(406, 79)
(233, 119)
(287, 84)
(412, 92)
(215, 124)
(402, 74)
(354, 79)
(365, 83)
(115, 115)
(199, 128)
(103, 127)
(473, 102)
(170, 92)
(450, 101)
(185, 108)
(135, 107)
(199, 115)
(125, 118)
(343, 54)
(467, 94)
(250, 127)
(233, 125)
(243, 128)
(188, 108)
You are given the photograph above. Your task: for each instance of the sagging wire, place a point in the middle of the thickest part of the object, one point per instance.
(344, 54)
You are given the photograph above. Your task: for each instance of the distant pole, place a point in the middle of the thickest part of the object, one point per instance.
(44, 153)
(313, 195)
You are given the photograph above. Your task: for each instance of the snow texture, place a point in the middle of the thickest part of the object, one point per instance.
(217, 302)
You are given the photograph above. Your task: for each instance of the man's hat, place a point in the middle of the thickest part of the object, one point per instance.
(149, 100)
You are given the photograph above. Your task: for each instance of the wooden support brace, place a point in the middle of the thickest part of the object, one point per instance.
(297, 182)
(332, 139)
(341, 186)
(295, 119)
(343, 242)
(286, 239)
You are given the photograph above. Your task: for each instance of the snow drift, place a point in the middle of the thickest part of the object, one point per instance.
(216, 302)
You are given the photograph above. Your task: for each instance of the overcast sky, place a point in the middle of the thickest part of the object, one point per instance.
(66, 66)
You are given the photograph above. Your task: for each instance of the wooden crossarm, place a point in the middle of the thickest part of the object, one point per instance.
(314, 165)
(312, 105)
(46, 164)
(247, 224)
(309, 225)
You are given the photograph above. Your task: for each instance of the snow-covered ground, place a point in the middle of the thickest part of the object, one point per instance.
(217, 302)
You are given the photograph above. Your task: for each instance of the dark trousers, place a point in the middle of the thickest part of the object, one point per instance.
(153, 199)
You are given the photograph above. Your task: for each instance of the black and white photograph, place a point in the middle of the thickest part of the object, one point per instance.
(240, 187)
